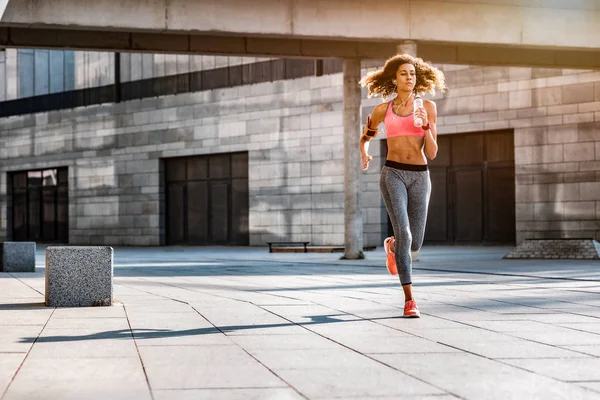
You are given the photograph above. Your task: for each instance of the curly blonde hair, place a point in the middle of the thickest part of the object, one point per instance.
(381, 82)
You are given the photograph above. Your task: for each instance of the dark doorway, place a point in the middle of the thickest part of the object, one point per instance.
(473, 190)
(207, 200)
(40, 205)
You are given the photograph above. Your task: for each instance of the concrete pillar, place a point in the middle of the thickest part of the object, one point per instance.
(353, 224)
(408, 47)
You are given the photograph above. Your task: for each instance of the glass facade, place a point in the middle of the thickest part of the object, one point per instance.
(45, 71)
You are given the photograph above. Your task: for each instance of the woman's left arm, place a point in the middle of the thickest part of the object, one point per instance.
(431, 147)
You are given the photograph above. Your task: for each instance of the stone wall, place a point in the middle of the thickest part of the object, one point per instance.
(293, 133)
(291, 129)
(555, 115)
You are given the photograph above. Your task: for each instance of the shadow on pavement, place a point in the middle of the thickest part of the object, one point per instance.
(141, 334)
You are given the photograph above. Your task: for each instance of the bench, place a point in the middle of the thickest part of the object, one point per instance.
(79, 276)
(271, 244)
(17, 257)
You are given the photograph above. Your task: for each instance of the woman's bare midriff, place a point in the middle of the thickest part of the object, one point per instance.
(406, 150)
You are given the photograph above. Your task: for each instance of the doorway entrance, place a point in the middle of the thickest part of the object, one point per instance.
(473, 190)
(40, 205)
(207, 200)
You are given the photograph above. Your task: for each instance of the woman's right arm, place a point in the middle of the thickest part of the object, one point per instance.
(370, 132)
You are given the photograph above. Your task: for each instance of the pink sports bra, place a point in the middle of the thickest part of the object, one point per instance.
(398, 125)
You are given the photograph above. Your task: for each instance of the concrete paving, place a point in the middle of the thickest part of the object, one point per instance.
(240, 323)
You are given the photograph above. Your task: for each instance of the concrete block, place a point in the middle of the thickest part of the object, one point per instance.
(537, 73)
(531, 193)
(469, 105)
(532, 225)
(520, 99)
(548, 211)
(580, 210)
(589, 132)
(522, 123)
(563, 192)
(524, 180)
(523, 155)
(548, 120)
(17, 257)
(495, 74)
(589, 225)
(496, 101)
(508, 86)
(589, 107)
(446, 106)
(580, 93)
(454, 120)
(79, 276)
(574, 177)
(563, 134)
(589, 166)
(532, 84)
(507, 114)
(485, 117)
(531, 112)
(141, 118)
(562, 109)
(531, 136)
(543, 97)
(469, 77)
(548, 178)
(548, 154)
(578, 118)
(563, 80)
(562, 226)
(524, 212)
(495, 125)
(589, 191)
(579, 152)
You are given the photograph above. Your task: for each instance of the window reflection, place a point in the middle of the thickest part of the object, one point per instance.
(40, 205)
(46, 177)
(49, 177)
(34, 178)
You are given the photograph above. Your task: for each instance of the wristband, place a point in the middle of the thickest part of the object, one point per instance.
(426, 127)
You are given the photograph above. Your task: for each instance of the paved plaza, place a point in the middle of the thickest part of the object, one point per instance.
(240, 323)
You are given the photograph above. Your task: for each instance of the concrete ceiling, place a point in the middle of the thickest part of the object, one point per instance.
(546, 33)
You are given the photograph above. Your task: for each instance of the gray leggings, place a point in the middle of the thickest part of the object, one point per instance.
(406, 195)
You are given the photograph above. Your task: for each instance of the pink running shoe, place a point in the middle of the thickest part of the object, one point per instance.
(390, 261)
(411, 310)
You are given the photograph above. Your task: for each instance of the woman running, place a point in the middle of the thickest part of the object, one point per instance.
(405, 184)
